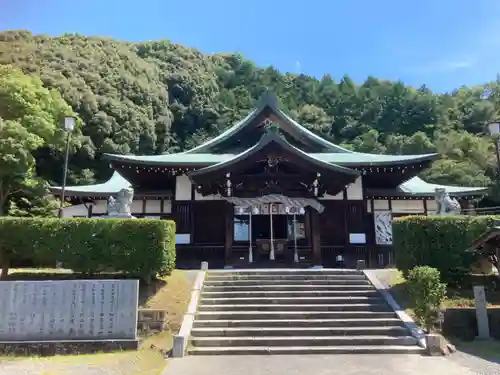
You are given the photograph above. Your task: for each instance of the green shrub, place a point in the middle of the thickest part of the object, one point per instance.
(142, 248)
(438, 241)
(427, 293)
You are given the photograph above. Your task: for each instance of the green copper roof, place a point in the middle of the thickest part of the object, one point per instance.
(417, 186)
(343, 159)
(273, 135)
(116, 183)
(267, 99)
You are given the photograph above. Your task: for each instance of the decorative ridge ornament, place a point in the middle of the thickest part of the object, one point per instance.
(269, 98)
(273, 128)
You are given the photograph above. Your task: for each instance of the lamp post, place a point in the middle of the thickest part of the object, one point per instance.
(69, 126)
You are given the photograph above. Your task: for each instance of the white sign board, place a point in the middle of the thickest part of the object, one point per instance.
(68, 310)
(182, 238)
(357, 238)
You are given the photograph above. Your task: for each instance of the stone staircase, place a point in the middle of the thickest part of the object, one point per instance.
(293, 312)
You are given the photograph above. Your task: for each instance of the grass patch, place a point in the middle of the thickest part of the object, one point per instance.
(170, 293)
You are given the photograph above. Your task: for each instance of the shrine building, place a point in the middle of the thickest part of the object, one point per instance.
(269, 192)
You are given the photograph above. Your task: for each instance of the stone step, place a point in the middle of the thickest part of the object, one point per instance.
(289, 300)
(308, 278)
(349, 322)
(303, 341)
(368, 307)
(287, 272)
(276, 350)
(289, 293)
(254, 282)
(394, 331)
(287, 315)
(285, 287)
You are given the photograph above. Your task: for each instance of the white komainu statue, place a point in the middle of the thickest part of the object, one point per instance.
(120, 206)
(446, 205)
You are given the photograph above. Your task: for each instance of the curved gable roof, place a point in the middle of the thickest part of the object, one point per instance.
(266, 139)
(267, 99)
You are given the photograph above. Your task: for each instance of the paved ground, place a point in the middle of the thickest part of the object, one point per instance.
(329, 364)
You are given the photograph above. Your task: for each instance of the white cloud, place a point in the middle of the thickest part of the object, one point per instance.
(298, 67)
(443, 65)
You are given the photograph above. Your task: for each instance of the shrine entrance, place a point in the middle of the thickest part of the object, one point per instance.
(273, 227)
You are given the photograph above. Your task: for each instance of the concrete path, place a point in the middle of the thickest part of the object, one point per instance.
(319, 365)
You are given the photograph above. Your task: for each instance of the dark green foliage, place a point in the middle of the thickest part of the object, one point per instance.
(158, 96)
(427, 293)
(142, 248)
(438, 241)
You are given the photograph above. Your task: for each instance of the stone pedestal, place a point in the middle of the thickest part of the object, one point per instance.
(360, 264)
(120, 216)
(436, 345)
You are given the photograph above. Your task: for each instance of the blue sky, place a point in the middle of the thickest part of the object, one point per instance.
(441, 43)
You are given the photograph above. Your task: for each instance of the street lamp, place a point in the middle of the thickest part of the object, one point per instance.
(69, 126)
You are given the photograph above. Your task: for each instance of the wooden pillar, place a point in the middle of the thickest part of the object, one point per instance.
(315, 237)
(228, 241)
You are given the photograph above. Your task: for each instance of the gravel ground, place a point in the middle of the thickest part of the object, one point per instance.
(29, 367)
(478, 365)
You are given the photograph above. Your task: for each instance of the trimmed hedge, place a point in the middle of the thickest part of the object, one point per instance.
(438, 241)
(141, 247)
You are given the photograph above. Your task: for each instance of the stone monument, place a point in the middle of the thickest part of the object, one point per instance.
(446, 205)
(120, 207)
(483, 328)
(83, 315)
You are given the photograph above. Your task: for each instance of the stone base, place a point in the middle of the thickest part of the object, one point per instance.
(119, 216)
(437, 345)
(49, 348)
(152, 320)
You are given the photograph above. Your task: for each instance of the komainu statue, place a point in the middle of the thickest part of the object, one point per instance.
(446, 205)
(121, 205)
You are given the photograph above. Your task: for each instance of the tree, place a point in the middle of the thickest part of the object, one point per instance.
(17, 165)
(29, 118)
(158, 96)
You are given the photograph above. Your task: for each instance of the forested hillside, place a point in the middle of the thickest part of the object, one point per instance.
(155, 97)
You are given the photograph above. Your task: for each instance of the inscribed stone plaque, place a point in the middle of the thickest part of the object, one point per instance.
(68, 310)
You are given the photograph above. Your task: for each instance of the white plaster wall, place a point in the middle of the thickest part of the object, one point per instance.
(167, 206)
(100, 207)
(378, 205)
(79, 210)
(183, 188)
(339, 196)
(153, 206)
(136, 207)
(408, 206)
(72, 211)
(355, 190)
(211, 197)
(431, 207)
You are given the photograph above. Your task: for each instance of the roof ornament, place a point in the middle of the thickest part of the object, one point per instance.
(273, 128)
(446, 205)
(268, 98)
